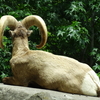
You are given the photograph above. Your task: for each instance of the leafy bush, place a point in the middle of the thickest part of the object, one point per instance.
(96, 55)
(74, 29)
(96, 68)
(5, 55)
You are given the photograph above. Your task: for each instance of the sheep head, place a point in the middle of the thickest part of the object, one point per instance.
(23, 26)
(20, 31)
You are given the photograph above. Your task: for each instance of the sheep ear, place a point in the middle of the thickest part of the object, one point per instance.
(29, 32)
(11, 33)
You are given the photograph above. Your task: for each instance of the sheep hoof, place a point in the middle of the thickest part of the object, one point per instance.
(6, 80)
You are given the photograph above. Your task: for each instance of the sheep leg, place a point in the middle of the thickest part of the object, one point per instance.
(12, 81)
(34, 85)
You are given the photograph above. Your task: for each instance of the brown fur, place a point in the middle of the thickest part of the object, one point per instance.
(45, 69)
(98, 92)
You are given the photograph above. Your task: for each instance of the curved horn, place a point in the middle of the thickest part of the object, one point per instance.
(9, 21)
(39, 22)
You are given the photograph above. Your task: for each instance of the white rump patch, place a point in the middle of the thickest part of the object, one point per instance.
(90, 84)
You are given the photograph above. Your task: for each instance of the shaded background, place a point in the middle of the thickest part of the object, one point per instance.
(73, 29)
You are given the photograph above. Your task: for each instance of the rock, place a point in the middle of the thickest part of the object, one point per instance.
(41, 96)
(9, 92)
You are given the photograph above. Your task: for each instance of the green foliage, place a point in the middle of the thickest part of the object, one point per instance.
(96, 67)
(96, 55)
(73, 29)
(5, 55)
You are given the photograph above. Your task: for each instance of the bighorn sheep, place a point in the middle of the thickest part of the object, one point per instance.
(45, 69)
